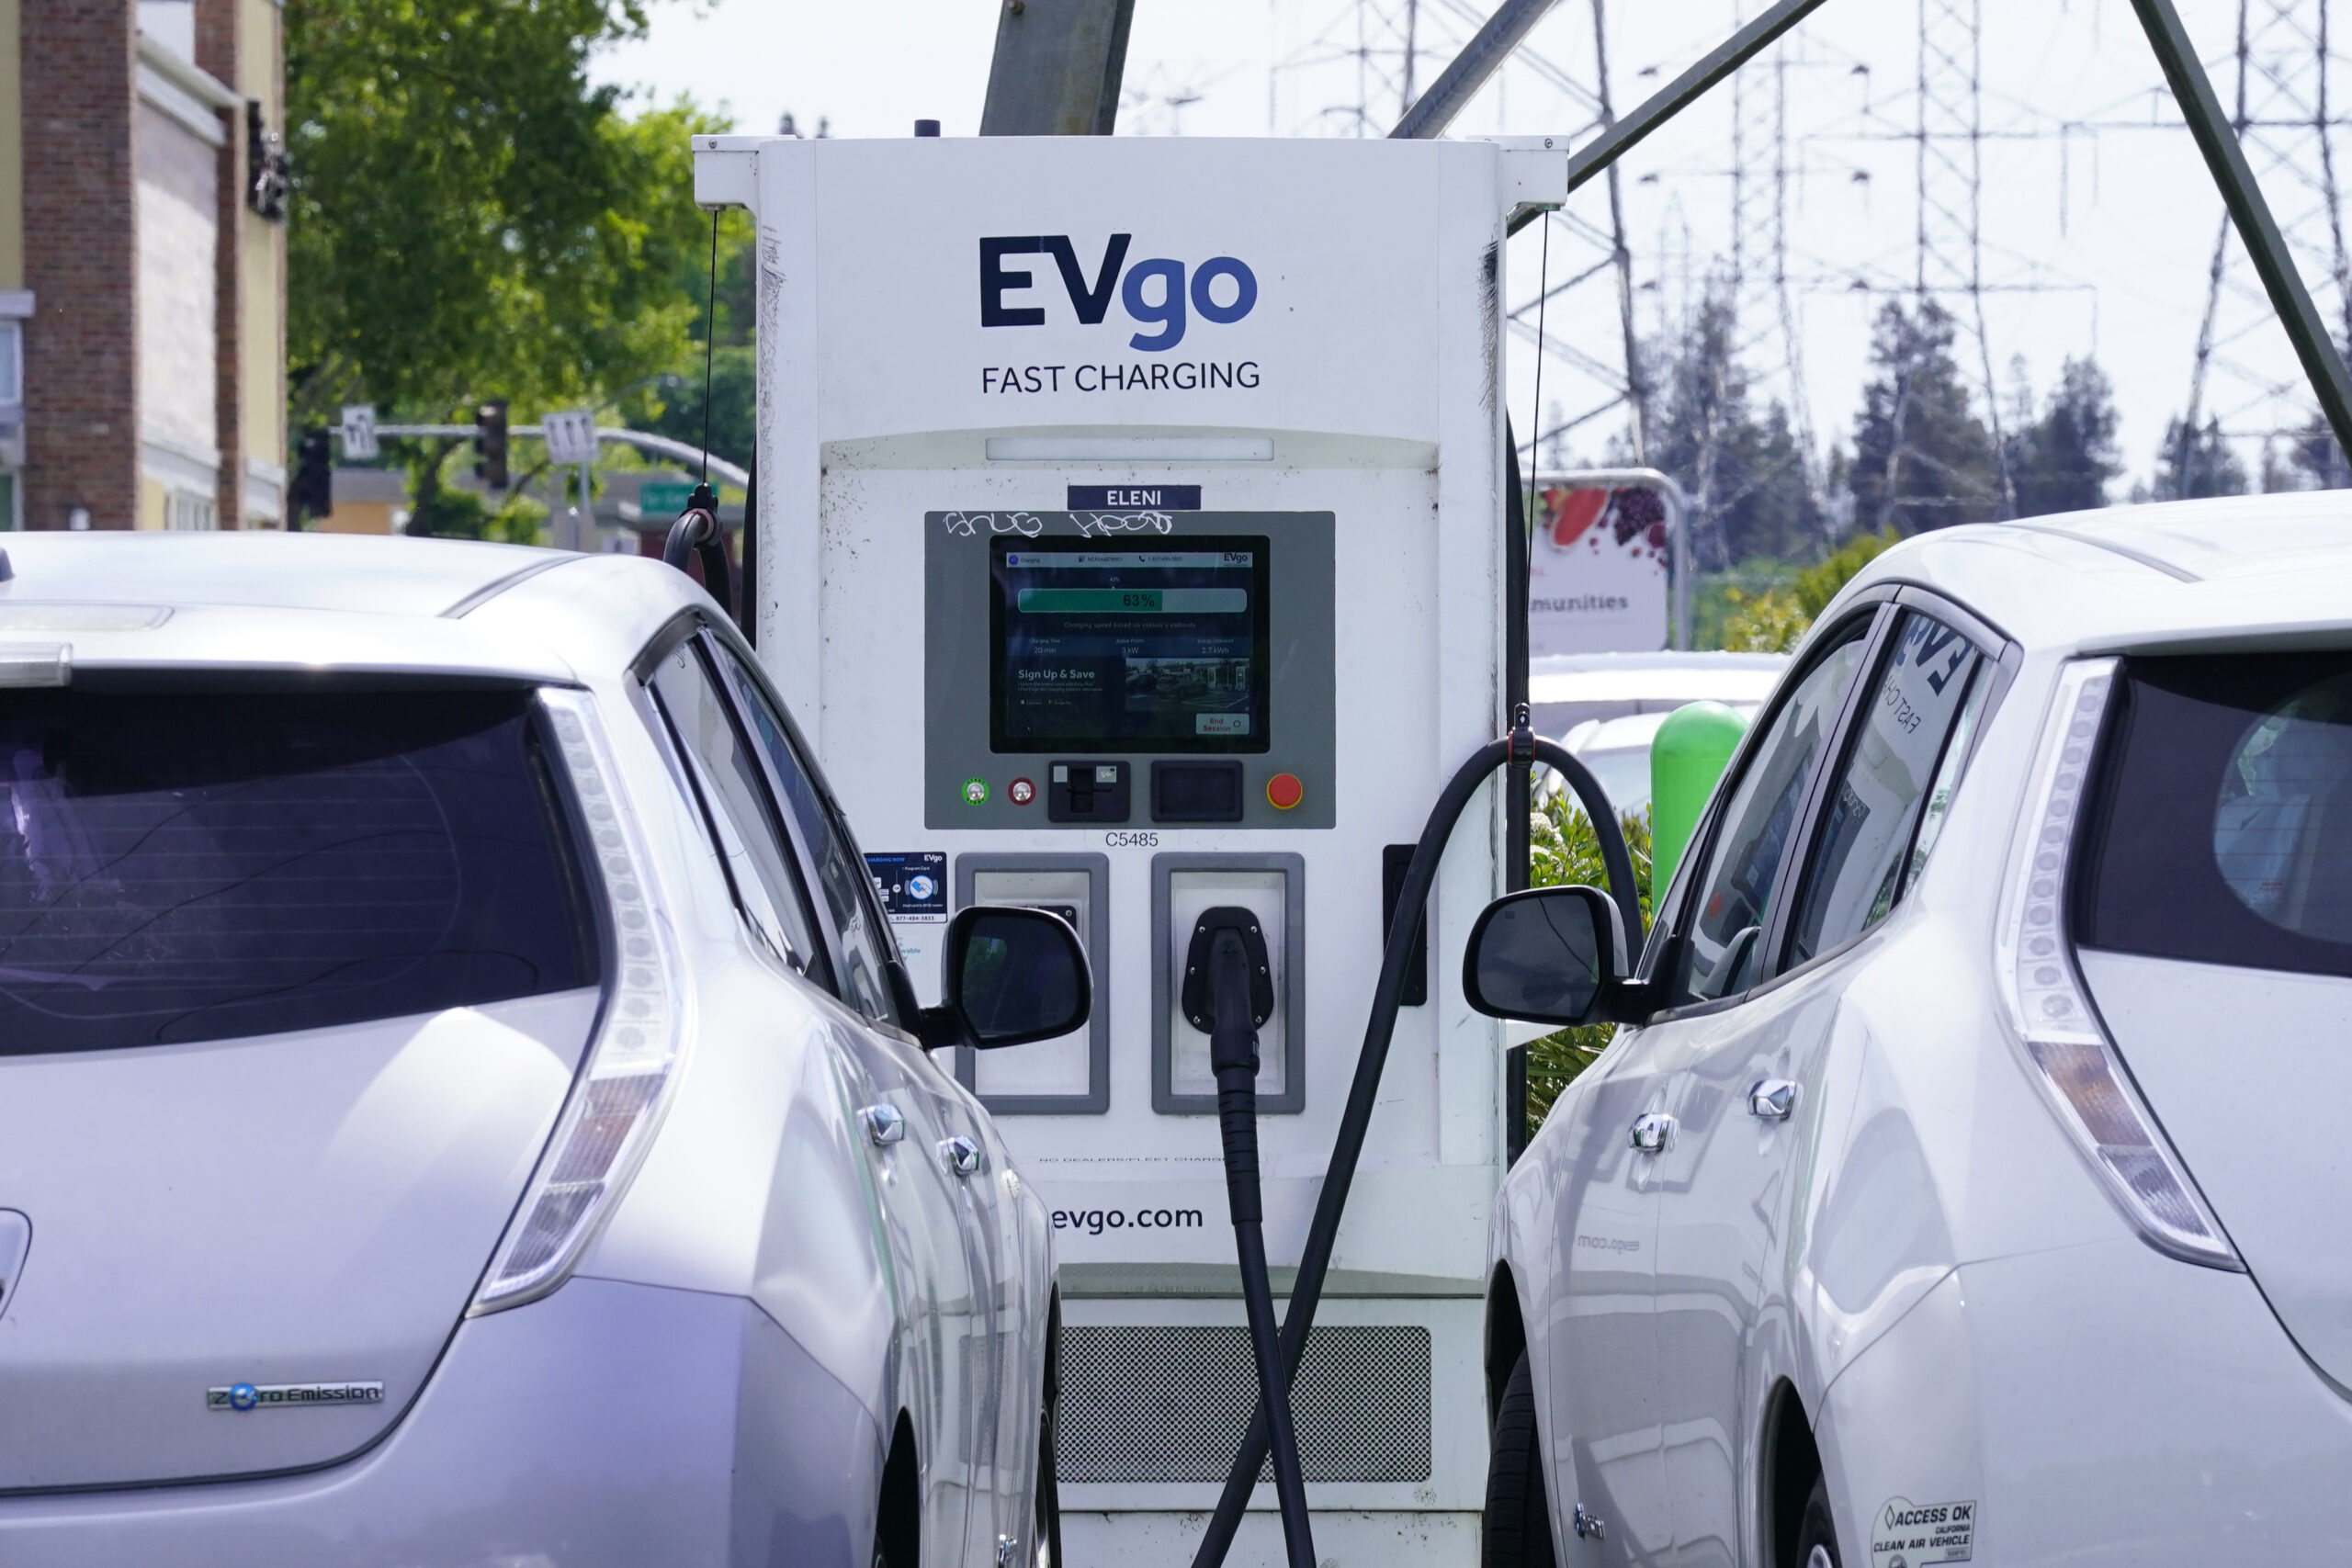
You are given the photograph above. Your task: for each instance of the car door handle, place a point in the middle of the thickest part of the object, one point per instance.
(1772, 1100)
(960, 1155)
(884, 1124)
(1652, 1132)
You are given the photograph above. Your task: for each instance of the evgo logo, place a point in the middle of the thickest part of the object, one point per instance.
(1155, 292)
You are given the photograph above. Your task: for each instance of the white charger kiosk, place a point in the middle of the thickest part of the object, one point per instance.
(1129, 544)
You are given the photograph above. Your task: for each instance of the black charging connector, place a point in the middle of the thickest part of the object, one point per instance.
(1228, 993)
(696, 534)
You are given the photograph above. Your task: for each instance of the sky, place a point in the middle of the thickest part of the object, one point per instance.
(2096, 224)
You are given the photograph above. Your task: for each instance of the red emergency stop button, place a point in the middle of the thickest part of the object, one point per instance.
(1284, 791)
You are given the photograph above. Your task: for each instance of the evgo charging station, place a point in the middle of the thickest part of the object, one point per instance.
(1130, 544)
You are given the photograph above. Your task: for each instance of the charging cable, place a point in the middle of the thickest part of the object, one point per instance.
(1322, 1237)
(1228, 993)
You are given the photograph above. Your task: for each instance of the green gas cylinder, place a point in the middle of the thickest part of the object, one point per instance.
(1693, 747)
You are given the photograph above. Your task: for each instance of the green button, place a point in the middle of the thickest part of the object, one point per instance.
(976, 792)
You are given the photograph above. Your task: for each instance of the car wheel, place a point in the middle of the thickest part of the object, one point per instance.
(1048, 1525)
(1518, 1525)
(1817, 1533)
(898, 1521)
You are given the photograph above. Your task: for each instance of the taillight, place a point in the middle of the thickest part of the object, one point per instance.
(2066, 1045)
(616, 1102)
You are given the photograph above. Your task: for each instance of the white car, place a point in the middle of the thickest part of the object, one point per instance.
(459, 1099)
(1606, 707)
(1965, 1184)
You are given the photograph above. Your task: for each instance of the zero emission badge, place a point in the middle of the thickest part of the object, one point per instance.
(1906, 1534)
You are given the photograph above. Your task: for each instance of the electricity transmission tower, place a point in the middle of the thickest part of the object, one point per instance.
(1950, 165)
(2287, 114)
(1357, 74)
(1771, 338)
(1752, 282)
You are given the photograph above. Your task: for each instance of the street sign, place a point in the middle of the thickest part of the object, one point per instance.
(571, 436)
(663, 498)
(359, 431)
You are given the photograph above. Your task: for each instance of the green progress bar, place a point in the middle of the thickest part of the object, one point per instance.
(1134, 601)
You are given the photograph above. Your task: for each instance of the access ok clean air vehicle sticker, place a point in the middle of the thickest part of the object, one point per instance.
(1906, 1534)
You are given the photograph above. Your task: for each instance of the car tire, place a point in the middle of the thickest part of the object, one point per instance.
(1517, 1527)
(898, 1518)
(1048, 1525)
(1817, 1531)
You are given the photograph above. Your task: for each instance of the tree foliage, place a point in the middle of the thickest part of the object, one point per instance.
(470, 217)
(2062, 459)
(673, 405)
(2317, 460)
(1774, 619)
(1565, 851)
(2196, 463)
(1922, 458)
(1743, 470)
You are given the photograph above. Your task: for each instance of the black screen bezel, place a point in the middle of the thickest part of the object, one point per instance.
(1259, 740)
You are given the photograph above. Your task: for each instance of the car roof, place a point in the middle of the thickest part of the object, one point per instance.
(1635, 677)
(2184, 574)
(373, 574)
(267, 600)
(1633, 732)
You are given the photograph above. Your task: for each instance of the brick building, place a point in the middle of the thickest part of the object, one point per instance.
(143, 264)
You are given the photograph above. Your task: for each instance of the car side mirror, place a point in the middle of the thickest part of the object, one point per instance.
(1547, 956)
(1011, 976)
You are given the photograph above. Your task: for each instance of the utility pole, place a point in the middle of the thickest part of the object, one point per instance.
(1057, 67)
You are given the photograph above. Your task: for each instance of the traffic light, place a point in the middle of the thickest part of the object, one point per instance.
(490, 443)
(312, 493)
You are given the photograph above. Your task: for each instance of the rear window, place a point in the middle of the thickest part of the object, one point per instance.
(2223, 824)
(178, 866)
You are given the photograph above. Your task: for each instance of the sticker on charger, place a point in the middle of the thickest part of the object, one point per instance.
(912, 884)
(1906, 1534)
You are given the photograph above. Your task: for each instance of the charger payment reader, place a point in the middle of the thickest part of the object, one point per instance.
(1130, 544)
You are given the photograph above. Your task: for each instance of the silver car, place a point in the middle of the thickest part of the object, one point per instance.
(460, 1101)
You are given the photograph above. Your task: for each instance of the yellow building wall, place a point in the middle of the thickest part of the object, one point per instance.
(12, 146)
(357, 517)
(263, 264)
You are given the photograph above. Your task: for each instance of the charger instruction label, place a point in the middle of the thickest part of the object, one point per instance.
(1906, 1534)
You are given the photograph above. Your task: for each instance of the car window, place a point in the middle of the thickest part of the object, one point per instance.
(1731, 901)
(742, 822)
(843, 881)
(2223, 828)
(182, 865)
(1860, 851)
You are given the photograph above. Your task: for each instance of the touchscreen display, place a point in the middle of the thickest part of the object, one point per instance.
(1118, 646)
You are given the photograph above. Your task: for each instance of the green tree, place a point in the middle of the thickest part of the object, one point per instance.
(2062, 459)
(1922, 458)
(1743, 470)
(2317, 459)
(673, 406)
(471, 218)
(2194, 463)
(1565, 851)
(1774, 618)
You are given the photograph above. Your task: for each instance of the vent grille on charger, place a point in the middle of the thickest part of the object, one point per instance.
(1163, 1403)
